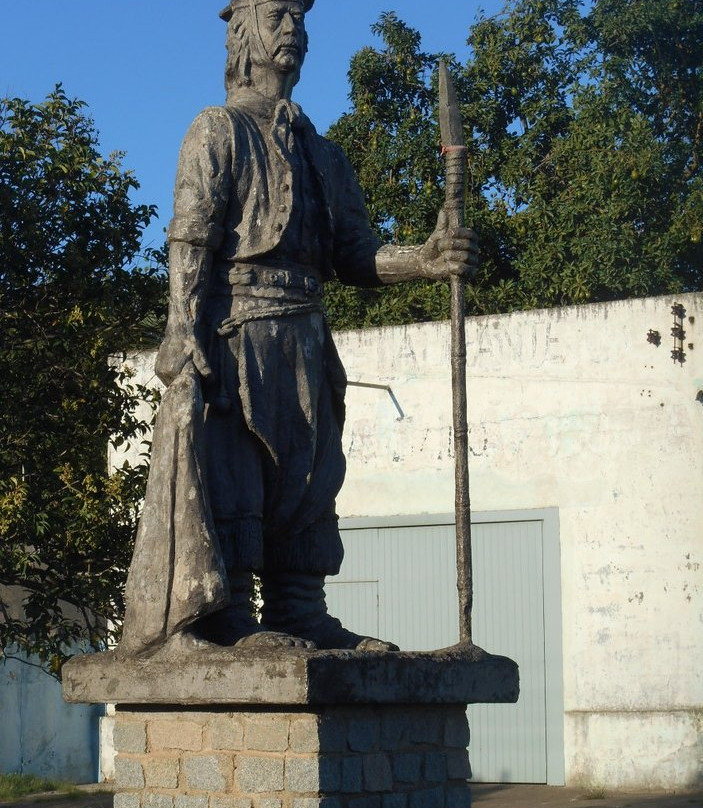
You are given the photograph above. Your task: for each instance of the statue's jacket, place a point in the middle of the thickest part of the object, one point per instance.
(235, 188)
(263, 199)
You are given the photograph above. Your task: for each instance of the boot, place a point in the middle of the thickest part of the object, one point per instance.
(294, 603)
(236, 620)
(236, 624)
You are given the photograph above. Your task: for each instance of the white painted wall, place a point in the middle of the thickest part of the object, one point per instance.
(570, 408)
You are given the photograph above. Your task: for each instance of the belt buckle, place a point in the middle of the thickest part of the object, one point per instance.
(275, 278)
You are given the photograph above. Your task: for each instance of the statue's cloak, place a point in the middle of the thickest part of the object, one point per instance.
(177, 574)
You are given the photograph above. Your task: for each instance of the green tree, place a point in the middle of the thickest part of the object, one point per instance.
(584, 130)
(70, 298)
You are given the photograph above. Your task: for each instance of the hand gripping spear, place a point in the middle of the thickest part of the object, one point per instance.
(454, 151)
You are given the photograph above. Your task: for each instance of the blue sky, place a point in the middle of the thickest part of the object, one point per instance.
(147, 67)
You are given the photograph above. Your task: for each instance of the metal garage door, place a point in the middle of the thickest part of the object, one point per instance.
(398, 581)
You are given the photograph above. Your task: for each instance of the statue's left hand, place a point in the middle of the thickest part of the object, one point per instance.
(450, 251)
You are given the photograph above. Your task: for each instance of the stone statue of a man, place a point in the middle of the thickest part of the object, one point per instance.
(247, 458)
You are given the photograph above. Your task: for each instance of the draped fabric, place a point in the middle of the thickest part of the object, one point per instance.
(177, 574)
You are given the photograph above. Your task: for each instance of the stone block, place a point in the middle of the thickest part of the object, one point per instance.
(425, 727)
(161, 772)
(130, 737)
(407, 767)
(302, 774)
(304, 734)
(363, 734)
(395, 801)
(226, 732)
(458, 797)
(192, 801)
(394, 730)
(305, 774)
(427, 798)
(207, 772)
(266, 733)
(365, 802)
(230, 802)
(352, 775)
(255, 775)
(316, 802)
(158, 801)
(377, 773)
(332, 729)
(126, 799)
(435, 767)
(269, 802)
(128, 773)
(456, 730)
(175, 734)
(458, 767)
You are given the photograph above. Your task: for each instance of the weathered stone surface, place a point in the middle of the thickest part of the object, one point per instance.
(192, 801)
(352, 775)
(377, 773)
(395, 800)
(347, 768)
(211, 772)
(127, 799)
(407, 767)
(256, 774)
(305, 734)
(425, 728)
(365, 802)
(161, 772)
(157, 801)
(458, 767)
(175, 734)
(230, 802)
(266, 733)
(363, 733)
(130, 737)
(435, 767)
(128, 773)
(456, 730)
(227, 733)
(427, 798)
(303, 774)
(221, 676)
(458, 797)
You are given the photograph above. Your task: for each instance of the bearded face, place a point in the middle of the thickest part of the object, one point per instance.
(271, 32)
(281, 25)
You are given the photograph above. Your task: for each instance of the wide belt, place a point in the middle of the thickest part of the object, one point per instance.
(263, 277)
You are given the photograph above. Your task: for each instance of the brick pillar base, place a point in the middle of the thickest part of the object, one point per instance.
(358, 756)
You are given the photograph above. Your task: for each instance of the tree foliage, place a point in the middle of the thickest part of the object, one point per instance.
(585, 129)
(69, 299)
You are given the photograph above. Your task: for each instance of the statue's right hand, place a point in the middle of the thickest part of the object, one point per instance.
(179, 347)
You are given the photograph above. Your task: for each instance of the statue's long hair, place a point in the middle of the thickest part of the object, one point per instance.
(239, 33)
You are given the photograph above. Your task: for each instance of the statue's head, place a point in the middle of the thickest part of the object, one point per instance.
(268, 32)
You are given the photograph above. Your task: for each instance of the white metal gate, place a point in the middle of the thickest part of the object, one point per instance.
(398, 582)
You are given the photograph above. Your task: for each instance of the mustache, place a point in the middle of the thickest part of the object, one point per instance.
(288, 45)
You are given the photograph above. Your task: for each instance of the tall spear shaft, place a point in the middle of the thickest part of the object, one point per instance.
(454, 151)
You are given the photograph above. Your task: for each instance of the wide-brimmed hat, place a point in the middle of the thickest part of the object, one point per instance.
(228, 10)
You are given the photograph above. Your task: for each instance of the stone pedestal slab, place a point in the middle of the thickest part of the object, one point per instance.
(229, 728)
(232, 676)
